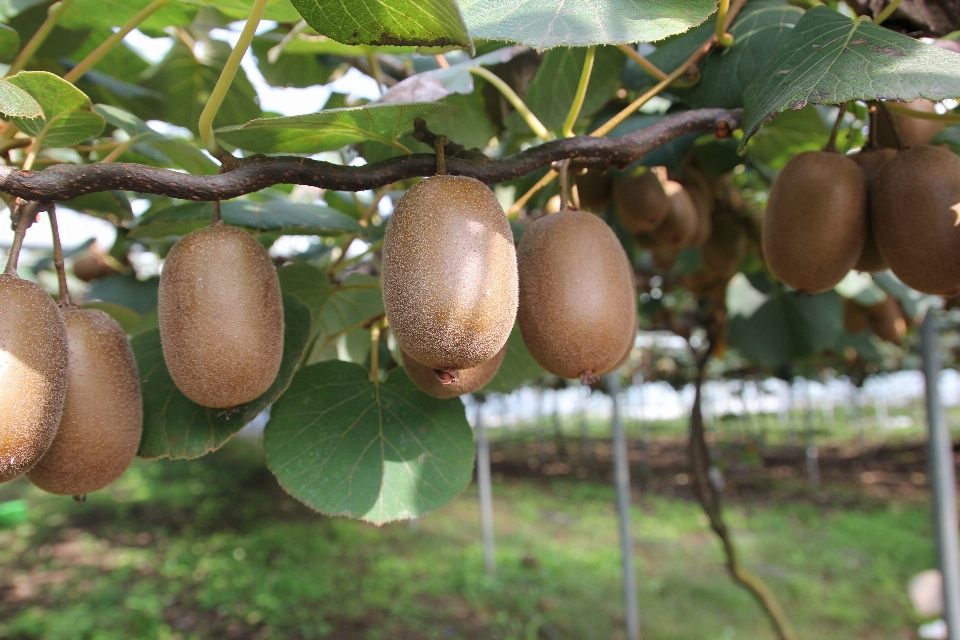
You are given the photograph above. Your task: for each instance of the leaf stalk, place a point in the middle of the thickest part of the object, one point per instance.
(532, 121)
(581, 93)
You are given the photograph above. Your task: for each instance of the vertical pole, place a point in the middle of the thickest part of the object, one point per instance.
(813, 455)
(943, 478)
(621, 474)
(486, 492)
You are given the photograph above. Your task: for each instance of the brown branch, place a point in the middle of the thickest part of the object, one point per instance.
(63, 182)
(709, 497)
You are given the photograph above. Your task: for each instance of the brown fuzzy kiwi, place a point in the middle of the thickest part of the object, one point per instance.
(33, 374)
(913, 131)
(640, 202)
(450, 273)
(727, 246)
(706, 285)
(102, 418)
(468, 380)
(886, 320)
(626, 354)
(854, 316)
(91, 267)
(594, 189)
(577, 295)
(221, 317)
(679, 228)
(870, 160)
(701, 192)
(816, 220)
(915, 210)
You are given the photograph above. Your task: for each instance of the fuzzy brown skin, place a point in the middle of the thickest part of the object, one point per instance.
(679, 228)
(102, 420)
(595, 190)
(816, 220)
(450, 273)
(221, 317)
(33, 374)
(700, 191)
(726, 247)
(886, 320)
(577, 295)
(855, 317)
(468, 380)
(870, 160)
(640, 202)
(913, 131)
(916, 206)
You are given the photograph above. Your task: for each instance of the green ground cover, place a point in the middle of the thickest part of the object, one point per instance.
(212, 548)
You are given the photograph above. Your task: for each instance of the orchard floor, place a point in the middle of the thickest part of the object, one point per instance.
(212, 548)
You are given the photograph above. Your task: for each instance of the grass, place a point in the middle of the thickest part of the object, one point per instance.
(212, 548)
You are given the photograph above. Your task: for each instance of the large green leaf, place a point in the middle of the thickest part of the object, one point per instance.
(126, 290)
(282, 216)
(175, 427)
(829, 58)
(781, 326)
(545, 24)
(788, 134)
(108, 205)
(279, 10)
(186, 82)
(726, 72)
(421, 23)
(378, 451)
(115, 13)
(17, 103)
(518, 366)
(552, 89)
(9, 43)
(67, 118)
(331, 129)
(286, 68)
(309, 285)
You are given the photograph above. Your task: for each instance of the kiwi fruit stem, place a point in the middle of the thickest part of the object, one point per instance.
(832, 142)
(216, 217)
(438, 143)
(65, 300)
(894, 127)
(21, 221)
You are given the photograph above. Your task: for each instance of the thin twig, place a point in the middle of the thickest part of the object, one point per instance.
(532, 121)
(65, 300)
(22, 215)
(887, 12)
(832, 142)
(581, 93)
(438, 144)
(892, 123)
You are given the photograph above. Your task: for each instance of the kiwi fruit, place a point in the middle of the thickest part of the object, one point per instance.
(640, 202)
(468, 380)
(726, 247)
(626, 354)
(577, 295)
(700, 191)
(679, 227)
(914, 207)
(913, 131)
(664, 257)
(91, 267)
(33, 374)
(706, 285)
(450, 281)
(594, 189)
(221, 317)
(102, 419)
(816, 220)
(886, 320)
(870, 160)
(855, 317)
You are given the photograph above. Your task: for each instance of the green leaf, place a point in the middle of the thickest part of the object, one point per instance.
(291, 69)
(385, 451)
(107, 205)
(175, 427)
(553, 87)
(283, 216)
(518, 367)
(67, 118)
(788, 134)
(17, 103)
(127, 290)
(726, 72)
(781, 326)
(420, 23)
(9, 43)
(829, 58)
(309, 285)
(331, 129)
(545, 24)
(279, 10)
(186, 82)
(115, 13)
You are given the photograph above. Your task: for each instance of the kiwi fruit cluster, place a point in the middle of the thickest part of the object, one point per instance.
(450, 282)
(885, 319)
(880, 208)
(221, 317)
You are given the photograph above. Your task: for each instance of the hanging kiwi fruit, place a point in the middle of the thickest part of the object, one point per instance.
(701, 192)
(726, 247)
(33, 363)
(870, 160)
(449, 274)
(468, 380)
(679, 228)
(815, 222)
(639, 200)
(913, 132)
(594, 189)
(221, 316)
(99, 431)
(578, 309)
